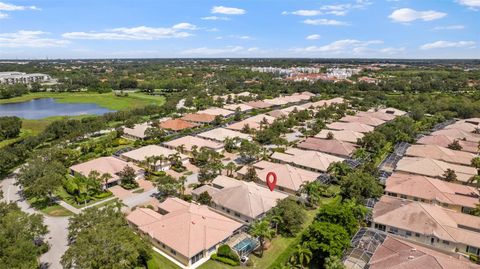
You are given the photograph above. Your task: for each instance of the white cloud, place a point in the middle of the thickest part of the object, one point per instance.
(227, 10)
(324, 22)
(313, 37)
(339, 46)
(473, 4)
(448, 44)
(225, 51)
(405, 15)
(450, 27)
(3, 15)
(179, 30)
(337, 10)
(32, 39)
(12, 7)
(304, 12)
(215, 18)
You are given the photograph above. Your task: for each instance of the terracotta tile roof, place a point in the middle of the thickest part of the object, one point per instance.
(427, 219)
(258, 104)
(110, 165)
(188, 230)
(177, 125)
(337, 100)
(463, 126)
(288, 177)
(278, 113)
(432, 189)
(363, 119)
(246, 198)
(378, 115)
(142, 153)
(233, 107)
(458, 134)
(215, 111)
(440, 153)
(307, 158)
(395, 253)
(276, 101)
(389, 110)
(342, 135)
(138, 130)
(220, 134)
(330, 146)
(190, 141)
(444, 141)
(434, 168)
(199, 118)
(350, 126)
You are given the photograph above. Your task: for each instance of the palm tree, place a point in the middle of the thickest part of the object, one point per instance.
(475, 180)
(449, 175)
(159, 159)
(265, 153)
(276, 219)
(182, 180)
(181, 148)
(149, 164)
(314, 190)
(263, 231)
(476, 163)
(105, 177)
(301, 256)
(230, 167)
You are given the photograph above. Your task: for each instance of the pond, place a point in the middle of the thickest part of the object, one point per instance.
(48, 107)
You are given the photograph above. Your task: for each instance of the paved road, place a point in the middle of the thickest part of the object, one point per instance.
(140, 198)
(57, 226)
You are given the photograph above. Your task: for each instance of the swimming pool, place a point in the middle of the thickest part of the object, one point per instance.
(245, 246)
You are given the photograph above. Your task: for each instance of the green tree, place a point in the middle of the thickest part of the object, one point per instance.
(127, 178)
(325, 239)
(476, 163)
(292, 215)
(230, 167)
(10, 127)
(204, 198)
(251, 174)
(346, 214)
(263, 231)
(301, 256)
(91, 229)
(249, 151)
(455, 145)
(333, 262)
(338, 170)
(449, 175)
(360, 186)
(314, 191)
(21, 237)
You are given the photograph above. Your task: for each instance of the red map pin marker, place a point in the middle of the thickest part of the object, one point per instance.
(271, 180)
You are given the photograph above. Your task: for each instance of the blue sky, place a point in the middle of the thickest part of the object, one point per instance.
(239, 28)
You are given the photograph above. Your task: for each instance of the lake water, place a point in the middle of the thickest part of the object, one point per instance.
(48, 107)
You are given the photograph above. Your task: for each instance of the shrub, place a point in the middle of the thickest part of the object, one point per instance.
(228, 261)
(474, 258)
(226, 252)
(103, 195)
(249, 263)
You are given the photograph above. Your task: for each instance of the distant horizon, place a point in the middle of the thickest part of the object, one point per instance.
(133, 29)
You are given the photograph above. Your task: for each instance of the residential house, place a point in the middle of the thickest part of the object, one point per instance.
(445, 141)
(141, 154)
(306, 159)
(199, 118)
(458, 134)
(242, 107)
(216, 111)
(342, 135)
(177, 125)
(330, 146)
(350, 126)
(220, 134)
(440, 153)
(189, 142)
(187, 232)
(372, 121)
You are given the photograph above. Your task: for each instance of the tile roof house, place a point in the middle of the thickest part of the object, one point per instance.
(306, 159)
(245, 201)
(289, 178)
(463, 126)
(377, 114)
(460, 198)
(259, 104)
(190, 141)
(440, 153)
(434, 168)
(444, 141)
(200, 118)
(372, 121)
(187, 232)
(321, 103)
(110, 165)
(137, 132)
(220, 134)
(397, 253)
(278, 101)
(290, 109)
(177, 125)
(342, 135)
(350, 126)
(278, 113)
(389, 110)
(428, 224)
(330, 146)
(242, 107)
(458, 134)
(216, 111)
(253, 122)
(141, 154)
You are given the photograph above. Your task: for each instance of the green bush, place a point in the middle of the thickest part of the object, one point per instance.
(151, 264)
(70, 186)
(228, 261)
(226, 252)
(103, 195)
(474, 258)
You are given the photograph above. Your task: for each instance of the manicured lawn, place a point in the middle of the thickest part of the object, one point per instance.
(160, 262)
(107, 100)
(57, 211)
(61, 193)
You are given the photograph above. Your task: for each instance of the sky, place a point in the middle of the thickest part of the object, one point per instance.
(73, 29)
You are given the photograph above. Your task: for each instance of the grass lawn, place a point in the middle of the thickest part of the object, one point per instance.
(54, 210)
(106, 100)
(279, 251)
(160, 262)
(61, 193)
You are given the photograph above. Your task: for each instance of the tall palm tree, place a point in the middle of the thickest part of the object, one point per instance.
(105, 177)
(277, 220)
(181, 148)
(159, 159)
(476, 163)
(263, 231)
(475, 180)
(301, 256)
(230, 167)
(182, 180)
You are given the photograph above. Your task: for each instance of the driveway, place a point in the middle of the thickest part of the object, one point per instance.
(57, 226)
